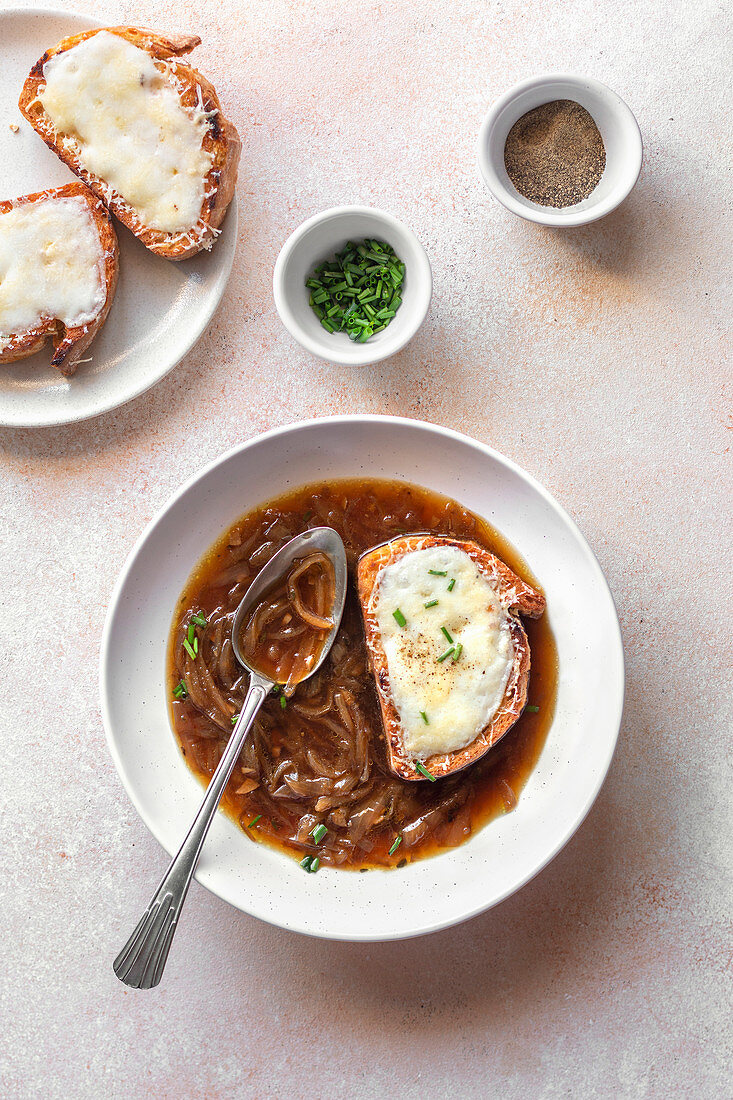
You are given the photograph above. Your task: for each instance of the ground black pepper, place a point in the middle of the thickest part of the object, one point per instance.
(554, 155)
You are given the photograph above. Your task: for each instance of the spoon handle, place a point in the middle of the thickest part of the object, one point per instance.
(141, 961)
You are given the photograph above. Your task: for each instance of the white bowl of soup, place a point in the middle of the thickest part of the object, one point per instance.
(435, 853)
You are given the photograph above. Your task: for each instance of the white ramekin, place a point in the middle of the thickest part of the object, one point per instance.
(318, 239)
(615, 120)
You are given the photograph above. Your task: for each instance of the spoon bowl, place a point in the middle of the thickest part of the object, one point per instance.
(329, 543)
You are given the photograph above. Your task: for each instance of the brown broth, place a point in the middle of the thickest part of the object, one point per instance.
(365, 512)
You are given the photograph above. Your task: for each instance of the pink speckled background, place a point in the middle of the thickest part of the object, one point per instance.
(596, 359)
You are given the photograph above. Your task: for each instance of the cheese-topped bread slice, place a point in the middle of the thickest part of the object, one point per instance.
(449, 654)
(142, 128)
(58, 273)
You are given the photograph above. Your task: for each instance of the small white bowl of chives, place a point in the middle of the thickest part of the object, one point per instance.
(403, 285)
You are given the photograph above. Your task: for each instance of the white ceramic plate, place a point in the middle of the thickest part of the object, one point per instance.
(496, 861)
(160, 309)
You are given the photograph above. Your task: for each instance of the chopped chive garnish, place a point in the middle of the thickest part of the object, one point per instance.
(424, 717)
(446, 655)
(200, 620)
(395, 846)
(448, 638)
(318, 833)
(196, 646)
(431, 603)
(401, 620)
(424, 771)
(315, 864)
(180, 691)
(191, 633)
(458, 650)
(254, 821)
(189, 649)
(359, 291)
(533, 710)
(235, 719)
(438, 572)
(306, 863)
(283, 702)
(451, 584)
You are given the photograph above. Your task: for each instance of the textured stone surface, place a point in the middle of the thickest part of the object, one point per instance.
(596, 359)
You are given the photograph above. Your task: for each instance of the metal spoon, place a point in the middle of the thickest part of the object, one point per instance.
(141, 961)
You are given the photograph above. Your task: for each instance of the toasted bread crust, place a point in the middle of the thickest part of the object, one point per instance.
(517, 597)
(221, 139)
(69, 343)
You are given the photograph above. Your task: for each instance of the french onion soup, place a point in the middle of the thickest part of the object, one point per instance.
(422, 723)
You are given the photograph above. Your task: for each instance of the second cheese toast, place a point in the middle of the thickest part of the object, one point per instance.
(58, 273)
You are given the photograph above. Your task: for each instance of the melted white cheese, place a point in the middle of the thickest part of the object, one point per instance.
(51, 266)
(459, 697)
(127, 125)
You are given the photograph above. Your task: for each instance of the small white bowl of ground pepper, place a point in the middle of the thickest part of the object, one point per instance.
(352, 285)
(560, 150)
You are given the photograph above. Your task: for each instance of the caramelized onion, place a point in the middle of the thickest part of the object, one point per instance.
(314, 711)
(247, 786)
(284, 636)
(314, 618)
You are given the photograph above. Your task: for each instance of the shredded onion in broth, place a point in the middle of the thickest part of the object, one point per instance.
(320, 759)
(285, 635)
